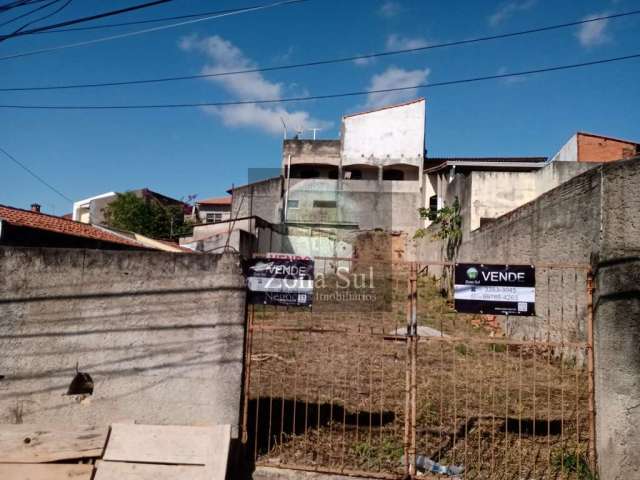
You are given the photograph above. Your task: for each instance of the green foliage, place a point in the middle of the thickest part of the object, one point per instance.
(146, 216)
(450, 222)
(388, 451)
(462, 349)
(573, 463)
(498, 347)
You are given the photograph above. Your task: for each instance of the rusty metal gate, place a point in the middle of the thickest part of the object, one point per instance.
(390, 381)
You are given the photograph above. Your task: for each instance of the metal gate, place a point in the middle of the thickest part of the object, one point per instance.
(389, 381)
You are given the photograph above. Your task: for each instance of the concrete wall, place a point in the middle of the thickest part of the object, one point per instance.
(617, 323)
(489, 194)
(591, 219)
(262, 199)
(385, 136)
(311, 152)
(161, 335)
(360, 204)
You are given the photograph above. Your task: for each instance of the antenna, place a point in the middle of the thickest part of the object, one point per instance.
(314, 130)
(284, 127)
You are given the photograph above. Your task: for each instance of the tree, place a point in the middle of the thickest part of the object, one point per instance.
(449, 220)
(146, 216)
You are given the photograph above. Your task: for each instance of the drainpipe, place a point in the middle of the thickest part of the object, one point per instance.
(286, 192)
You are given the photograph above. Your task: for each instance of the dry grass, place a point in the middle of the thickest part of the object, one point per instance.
(328, 391)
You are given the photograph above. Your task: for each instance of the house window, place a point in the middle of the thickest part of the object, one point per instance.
(214, 217)
(324, 204)
(293, 203)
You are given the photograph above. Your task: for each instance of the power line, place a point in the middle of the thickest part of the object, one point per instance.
(85, 19)
(154, 29)
(26, 14)
(322, 97)
(34, 174)
(17, 4)
(142, 22)
(311, 63)
(48, 15)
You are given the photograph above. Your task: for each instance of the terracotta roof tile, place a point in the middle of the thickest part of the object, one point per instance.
(42, 221)
(216, 201)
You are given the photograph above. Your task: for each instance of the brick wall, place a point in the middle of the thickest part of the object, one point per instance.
(598, 149)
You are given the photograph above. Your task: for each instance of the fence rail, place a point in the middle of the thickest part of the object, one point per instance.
(382, 388)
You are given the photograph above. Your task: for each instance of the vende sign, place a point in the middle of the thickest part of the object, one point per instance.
(280, 280)
(495, 289)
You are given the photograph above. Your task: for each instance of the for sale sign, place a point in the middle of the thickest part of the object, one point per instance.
(495, 289)
(280, 280)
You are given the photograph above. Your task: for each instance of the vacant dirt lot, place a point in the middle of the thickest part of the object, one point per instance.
(329, 390)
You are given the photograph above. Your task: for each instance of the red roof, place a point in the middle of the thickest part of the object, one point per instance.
(42, 221)
(216, 201)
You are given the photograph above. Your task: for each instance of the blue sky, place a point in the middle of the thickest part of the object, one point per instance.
(199, 151)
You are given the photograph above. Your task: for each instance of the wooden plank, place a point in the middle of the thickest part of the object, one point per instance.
(47, 443)
(43, 471)
(219, 453)
(169, 444)
(148, 471)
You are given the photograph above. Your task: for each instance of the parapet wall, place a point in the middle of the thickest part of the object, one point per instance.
(160, 334)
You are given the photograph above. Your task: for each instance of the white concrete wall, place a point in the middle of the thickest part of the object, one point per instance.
(386, 136)
(568, 152)
(496, 193)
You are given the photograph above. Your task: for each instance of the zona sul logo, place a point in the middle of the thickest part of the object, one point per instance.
(472, 273)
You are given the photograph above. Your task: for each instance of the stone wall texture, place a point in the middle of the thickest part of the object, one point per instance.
(160, 334)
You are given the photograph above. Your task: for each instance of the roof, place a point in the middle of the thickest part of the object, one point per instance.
(50, 223)
(417, 100)
(432, 164)
(487, 159)
(216, 201)
(607, 137)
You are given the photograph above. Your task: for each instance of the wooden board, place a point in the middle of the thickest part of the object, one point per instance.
(168, 444)
(42, 471)
(148, 471)
(47, 443)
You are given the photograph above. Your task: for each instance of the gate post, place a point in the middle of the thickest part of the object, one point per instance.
(411, 383)
(247, 373)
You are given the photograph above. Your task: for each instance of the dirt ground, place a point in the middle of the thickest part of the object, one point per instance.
(329, 390)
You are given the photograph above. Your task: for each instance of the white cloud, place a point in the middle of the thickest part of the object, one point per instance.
(510, 80)
(593, 33)
(223, 56)
(509, 9)
(265, 118)
(398, 42)
(364, 62)
(394, 77)
(389, 9)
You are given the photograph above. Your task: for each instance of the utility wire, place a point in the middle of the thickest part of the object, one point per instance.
(48, 15)
(26, 14)
(17, 4)
(34, 174)
(142, 22)
(148, 30)
(305, 64)
(85, 19)
(323, 97)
